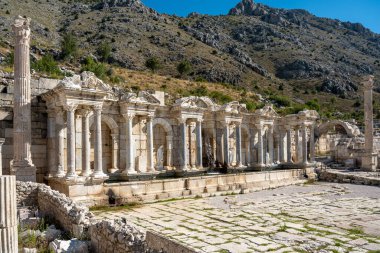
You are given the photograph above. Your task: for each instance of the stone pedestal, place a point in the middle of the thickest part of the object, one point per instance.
(21, 164)
(8, 215)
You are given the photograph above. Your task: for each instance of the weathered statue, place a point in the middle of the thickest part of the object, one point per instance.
(160, 158)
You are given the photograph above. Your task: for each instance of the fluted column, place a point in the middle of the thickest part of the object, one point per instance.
(60, 142)
(270, 144)
(86, 147)
(289, 145)
(150, 162)
(199, 144)
(304, 144)
(70, 109)
(2, 140)
(238, 145)
(183, 149)
(98, 152)
(130, 163)
(226, 145)
(51, 146)
(260, 146)
(115, 151)
(282, 148)
(312, 144)
(22, 165)
(8, 215)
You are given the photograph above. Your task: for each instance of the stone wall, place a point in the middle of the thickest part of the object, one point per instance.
(159, 243)
(341, 177)
(116, 236)
(27, 193)
(71, 216)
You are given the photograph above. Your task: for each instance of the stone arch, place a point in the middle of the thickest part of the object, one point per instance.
(351, 130)
(168, 140)
(111, 123)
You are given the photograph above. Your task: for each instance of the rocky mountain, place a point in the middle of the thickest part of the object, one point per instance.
(255, 46)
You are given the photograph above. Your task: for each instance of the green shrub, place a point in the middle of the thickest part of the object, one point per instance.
(313, 105)
(153, 64)
(47, 65)
(280, 100)
(184, 67)
(69, 47)
(10, 59)
(220, 97)
(199, 91)
(99, 69)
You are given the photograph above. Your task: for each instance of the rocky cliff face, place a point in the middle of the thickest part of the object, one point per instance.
(254, 43)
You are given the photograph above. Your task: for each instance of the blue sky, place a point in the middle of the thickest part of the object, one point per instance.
(366, 12)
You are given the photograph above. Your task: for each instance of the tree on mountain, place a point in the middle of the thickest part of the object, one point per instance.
(153, 64)
(69, 46)
(104, 51)
(184, 67)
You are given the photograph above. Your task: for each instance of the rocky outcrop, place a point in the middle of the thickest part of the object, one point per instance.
(300, 69)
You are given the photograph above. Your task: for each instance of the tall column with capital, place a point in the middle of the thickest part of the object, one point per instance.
(60, 142)
(130, 163)
(183, 149)
(304, 144)
(199, 144)
(260, 146)
(226, 145)
(51, 145)
(2, 140)
(22, 165)
(369, 161)
(86, 148)
(289, 145)
(71, 141)
(150, 162)
(98, 152)
(238, 145)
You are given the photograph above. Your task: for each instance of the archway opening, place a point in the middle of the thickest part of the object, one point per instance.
(159, 147)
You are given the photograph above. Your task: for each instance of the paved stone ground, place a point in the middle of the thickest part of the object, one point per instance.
(320, 217)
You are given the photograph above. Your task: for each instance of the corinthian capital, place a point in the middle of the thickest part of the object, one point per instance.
(21, 28)
(368, 82)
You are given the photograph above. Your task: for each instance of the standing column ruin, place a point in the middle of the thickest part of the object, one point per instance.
(238, 145)
(71, 141)
(369, 160)
(2, 140)
(289, 145)
(199, 144)
(86, 147)
(260, 146)
(60, 143)
(8, 215)
(183, 149)
(51, 146)
(98, 161)
(226, 145)
(149, 126)
(130, 163)
(304, 144)
(22, 165)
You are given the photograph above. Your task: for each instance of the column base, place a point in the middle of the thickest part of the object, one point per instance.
(24, 171)
(99, 175)
(113, 170)
(129, 172)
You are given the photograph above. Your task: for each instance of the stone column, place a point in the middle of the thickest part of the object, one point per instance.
(282, 148)
(238, 145)
(304, 144)
(71, 141)
(270, 144)
(226, 145)
(199, 144)
(297, 145)
(115, 150)
(260, 145)
(130, 163)
(98, 151)
(22, 165)
(169, 143)
(369, 161)
(51, 145)
(8, 215)
(289, 145)
(86, 147)
(312, 143)
(183, 149)
(60, 142)
(2, 140)
(252, 146)
(150, 162)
